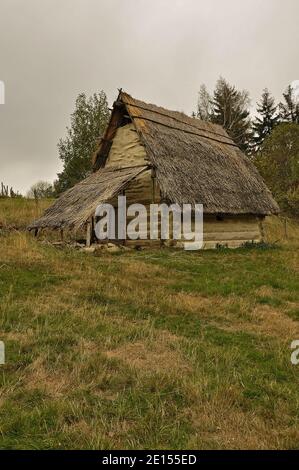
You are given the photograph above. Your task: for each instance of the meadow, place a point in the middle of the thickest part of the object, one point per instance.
(147, 349)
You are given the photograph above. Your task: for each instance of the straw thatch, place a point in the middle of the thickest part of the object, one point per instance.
(79, 203)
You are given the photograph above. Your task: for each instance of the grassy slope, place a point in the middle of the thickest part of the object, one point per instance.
(19, 212)
(151, 349)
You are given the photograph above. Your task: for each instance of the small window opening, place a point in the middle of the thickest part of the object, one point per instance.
(125, 120)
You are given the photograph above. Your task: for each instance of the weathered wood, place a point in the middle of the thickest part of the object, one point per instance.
(230, 223)
(246, 235)
(88, 233)
(100, 157)
(231, 230)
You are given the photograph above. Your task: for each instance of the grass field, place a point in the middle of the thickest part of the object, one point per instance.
(147, 349)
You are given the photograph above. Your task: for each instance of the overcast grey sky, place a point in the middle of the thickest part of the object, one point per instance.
(157, 50)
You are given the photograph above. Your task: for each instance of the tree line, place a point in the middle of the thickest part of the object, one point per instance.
(230, 108)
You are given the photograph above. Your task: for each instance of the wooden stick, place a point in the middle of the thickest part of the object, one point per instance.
(88, 233)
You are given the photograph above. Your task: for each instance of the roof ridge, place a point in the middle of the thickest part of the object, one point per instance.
(175, 118)
(232, 143)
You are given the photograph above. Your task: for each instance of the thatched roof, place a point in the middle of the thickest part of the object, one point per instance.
(77, 204)
(197, 162)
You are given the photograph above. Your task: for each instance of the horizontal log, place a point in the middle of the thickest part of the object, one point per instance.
(232, 227)
(253, 235)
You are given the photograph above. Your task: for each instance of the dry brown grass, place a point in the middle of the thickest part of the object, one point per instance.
(282, 230)
(222, 423)
(17, 213)
(158, 354)
(52, 383)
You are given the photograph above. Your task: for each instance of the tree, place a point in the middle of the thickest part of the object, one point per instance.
(229, 108)
(266, 121)
(278, 163)
(289, 110)
(88, 122)
(40, 190)
(204, 104)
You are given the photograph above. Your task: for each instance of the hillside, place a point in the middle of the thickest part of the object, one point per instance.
(147, 349)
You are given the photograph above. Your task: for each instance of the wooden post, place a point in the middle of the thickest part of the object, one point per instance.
(285, 228)
(92, 237)
(123, 241)
(61, 235)
(88, 233)
(153, 176)
(36, 200)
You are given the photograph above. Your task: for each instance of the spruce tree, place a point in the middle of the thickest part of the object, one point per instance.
(266, 121)
(289, 110)
(229, 108)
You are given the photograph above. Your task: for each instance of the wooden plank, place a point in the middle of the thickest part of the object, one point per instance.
(101, 156)
(247, 235)
(88, 233)
(232, 227)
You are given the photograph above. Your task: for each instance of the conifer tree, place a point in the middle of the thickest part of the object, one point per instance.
(229, 108)
(289, 110)
(266, 120)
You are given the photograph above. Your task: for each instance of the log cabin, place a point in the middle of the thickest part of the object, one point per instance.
(154, 155)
